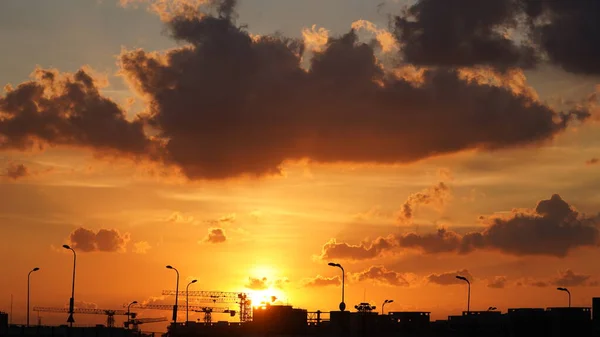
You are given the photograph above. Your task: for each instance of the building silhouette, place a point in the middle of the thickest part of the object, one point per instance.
(364, 321)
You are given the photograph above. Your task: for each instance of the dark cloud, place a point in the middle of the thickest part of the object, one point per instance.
(104, 240)
(465, 33)
(450, 278)
(229, 104)
(257, 283)
(321, 281)
(16, 171)
(436, 194)
(216, 235)
(568, 278)
(553, 228)
(498, 282)
(568, 32)
(472, 32)
(381, 275)
(592, 161)
(67, 109)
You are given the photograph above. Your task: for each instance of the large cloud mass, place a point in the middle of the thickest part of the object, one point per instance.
(229, 104)
(69, 110)
(473, 32)
(553, 228)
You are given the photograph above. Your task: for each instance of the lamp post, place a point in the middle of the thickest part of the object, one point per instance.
(342, 304)
(176, 295)
(568, 292)
(469, 295)
(384, 303)
(28, 275)
(71, 320)
(187, 289)
(129, 311)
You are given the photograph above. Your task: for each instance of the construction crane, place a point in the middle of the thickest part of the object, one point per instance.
(110, 314)
(135, 322)
(243, 299)
(196, 308)
(208, 313)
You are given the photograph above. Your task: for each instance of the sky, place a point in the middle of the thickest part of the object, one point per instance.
(250, 143)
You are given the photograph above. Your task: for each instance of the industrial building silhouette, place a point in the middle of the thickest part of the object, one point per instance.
(285, 320)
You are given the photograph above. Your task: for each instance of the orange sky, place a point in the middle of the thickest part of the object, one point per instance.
(249, 168)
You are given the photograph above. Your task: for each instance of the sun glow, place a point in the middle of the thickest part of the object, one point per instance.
(266, 287)
(262, 298)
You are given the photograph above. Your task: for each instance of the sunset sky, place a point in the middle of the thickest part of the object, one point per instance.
(248, 144)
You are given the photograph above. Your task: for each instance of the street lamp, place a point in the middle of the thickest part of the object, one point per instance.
(568, 292)
(342, 304)
(176, 295)
(187, 289)
(34, 269)
(129, 312)
(384, 303)
(71, 320)
(469, 296)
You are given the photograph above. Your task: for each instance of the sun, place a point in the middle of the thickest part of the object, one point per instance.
(265, 287)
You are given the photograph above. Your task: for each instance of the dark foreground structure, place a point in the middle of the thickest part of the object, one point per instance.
(280, 321)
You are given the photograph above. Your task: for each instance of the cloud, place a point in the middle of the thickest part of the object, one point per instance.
(177, 217)
(498, 282)
(141, 247)
(384, 38)
(67, 109)
(539, 284)
(364, 251)
(84, 305)
(449, 278)
(280, 283)
(226, 94)
(257, 283)
(568, 278)
(246, 94)
(104, 240)
(435, 195)
(225, 219)
(381, 275)
(373, 213)
(438, 32)
(16, 171)
(168, 9)
(564, 32)
(215, 235)
(321, 281)
(592, 161)
(553, 228)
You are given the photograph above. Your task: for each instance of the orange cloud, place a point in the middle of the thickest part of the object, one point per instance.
(104, 240)
(215, 235)
(553, 228)
(321, 281)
